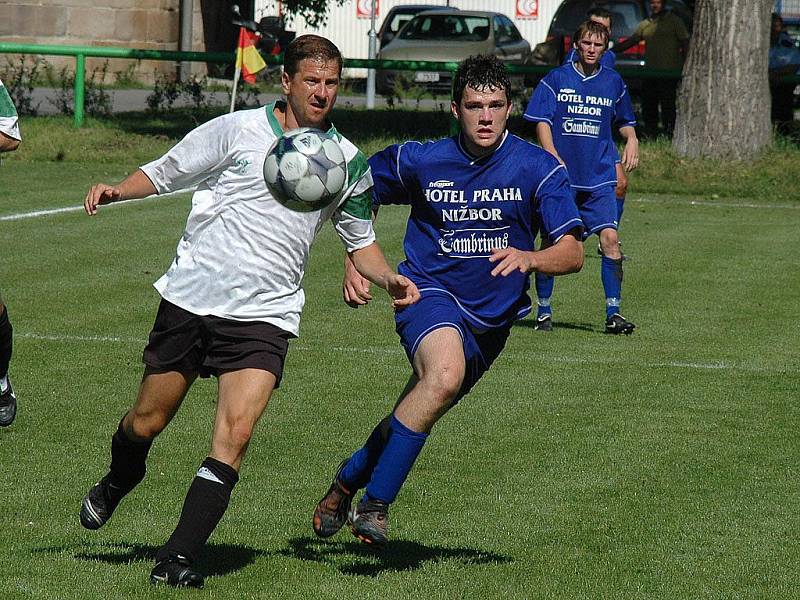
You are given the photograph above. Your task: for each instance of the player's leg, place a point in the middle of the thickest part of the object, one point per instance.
(620, 191)
(611, 276)
(172, 359)
(8, 400)
(544, 292)
(160, 395)
(668, 95)
(248, 358)
(440, 367)
(243, 396)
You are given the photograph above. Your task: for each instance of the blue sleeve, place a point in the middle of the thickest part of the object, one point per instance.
(391, 174)
(542, 105)
(624, 109)
(609, 59)
(555, 204)
(569, 56)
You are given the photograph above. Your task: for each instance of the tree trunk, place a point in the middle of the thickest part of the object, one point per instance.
(724, 99)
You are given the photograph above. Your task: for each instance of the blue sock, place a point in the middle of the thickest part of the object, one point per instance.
(358, 469)
(394, 465)
(620, 208)
(544, 289)
(611, 274)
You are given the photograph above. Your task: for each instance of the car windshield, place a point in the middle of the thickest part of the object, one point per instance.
(447, 27)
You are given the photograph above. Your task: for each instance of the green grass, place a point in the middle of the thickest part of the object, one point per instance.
(660, 465)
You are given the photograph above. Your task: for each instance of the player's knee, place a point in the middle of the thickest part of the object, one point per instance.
(145, 426)
(444, 385)
(236, 436)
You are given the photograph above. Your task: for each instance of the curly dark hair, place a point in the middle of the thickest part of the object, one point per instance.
(480, 72)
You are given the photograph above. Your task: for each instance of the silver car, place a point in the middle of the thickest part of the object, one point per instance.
(450, 36)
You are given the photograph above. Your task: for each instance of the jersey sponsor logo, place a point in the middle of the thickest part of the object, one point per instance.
(240, 165)
(441, 183)
(509, 194)
(454, 215)
(472, 243)
(582, 127)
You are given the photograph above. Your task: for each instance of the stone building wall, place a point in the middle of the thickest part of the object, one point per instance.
(149, 24)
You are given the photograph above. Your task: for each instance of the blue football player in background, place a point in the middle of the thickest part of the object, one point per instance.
(575, 107)
(477, 200)
(608, 60)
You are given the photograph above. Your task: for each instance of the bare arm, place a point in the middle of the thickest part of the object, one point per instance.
(371, 264)
(630, 154)
(545, 135)
(629, 43)
(135, 185)
(8, 143)
(563, 257)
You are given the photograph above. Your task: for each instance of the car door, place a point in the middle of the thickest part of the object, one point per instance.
(510, 46)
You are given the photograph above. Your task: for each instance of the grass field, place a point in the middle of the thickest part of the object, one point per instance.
(660, 465)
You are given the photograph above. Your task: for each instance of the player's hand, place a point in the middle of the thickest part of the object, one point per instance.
(403, 291)
(510, 259)
(100, 193)
(355, 288)
(630, 155)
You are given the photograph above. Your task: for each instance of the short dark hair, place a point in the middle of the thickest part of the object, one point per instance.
(592, 28)
(599, 11)
(480, 72)
(309, 46)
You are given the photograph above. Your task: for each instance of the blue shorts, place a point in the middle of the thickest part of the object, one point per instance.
(434, 311)
(598, 209)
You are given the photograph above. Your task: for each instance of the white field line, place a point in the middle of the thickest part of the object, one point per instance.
(708, 203)
(385, 350)
(79, 207)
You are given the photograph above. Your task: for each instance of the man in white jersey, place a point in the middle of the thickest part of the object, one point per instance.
(9, 140)
(231, 299)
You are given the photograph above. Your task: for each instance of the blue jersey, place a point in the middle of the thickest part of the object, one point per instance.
(463, 207)
(581, 112)
(608, 59)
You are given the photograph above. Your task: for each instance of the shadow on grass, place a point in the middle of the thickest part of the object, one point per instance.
(399, 555)
(215, 560)
(531, 323)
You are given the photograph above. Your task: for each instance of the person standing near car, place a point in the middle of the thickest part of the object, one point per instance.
(666, 43)
(575, 107)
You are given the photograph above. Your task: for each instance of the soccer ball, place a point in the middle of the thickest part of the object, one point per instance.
(305, 169)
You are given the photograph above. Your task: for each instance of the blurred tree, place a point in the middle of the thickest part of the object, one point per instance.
(723, 101)
(314, 12)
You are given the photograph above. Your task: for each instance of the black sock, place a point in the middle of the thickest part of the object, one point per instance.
(127, 459)
(5, 342)
(203, 508)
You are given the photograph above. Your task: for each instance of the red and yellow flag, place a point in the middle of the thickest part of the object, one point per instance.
(248, 58)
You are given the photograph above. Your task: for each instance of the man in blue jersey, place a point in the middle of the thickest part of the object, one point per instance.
(477, 200)
(575, 107)
(608, 60)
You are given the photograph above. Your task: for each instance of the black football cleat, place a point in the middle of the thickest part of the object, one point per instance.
(8, 406)
(99, 503)
(617, 324)
(176, 570)
(544, 322)
(369, 522)
(330, 515)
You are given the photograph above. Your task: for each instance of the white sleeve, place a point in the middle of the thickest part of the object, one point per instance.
(203, 154)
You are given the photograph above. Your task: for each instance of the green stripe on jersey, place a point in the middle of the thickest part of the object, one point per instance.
(359, 205)
(6, 105)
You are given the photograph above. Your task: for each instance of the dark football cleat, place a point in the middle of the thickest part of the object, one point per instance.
(100, 502)
(330, 515)
(544, 322)
(617, 324)
(369, 522)
(8, 406)
(176, 571)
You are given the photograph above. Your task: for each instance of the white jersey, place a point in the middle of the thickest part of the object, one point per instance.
(242, 255)
(9, 124)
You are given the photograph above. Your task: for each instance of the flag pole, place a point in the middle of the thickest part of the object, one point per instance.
(233, 89)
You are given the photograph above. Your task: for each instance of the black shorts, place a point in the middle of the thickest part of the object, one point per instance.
(208, 345)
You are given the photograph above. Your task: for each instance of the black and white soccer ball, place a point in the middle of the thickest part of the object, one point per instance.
(305, 170)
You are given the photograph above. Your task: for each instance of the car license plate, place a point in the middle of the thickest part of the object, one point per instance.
(426, 77)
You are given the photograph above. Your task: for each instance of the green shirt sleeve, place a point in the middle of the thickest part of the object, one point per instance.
(359, 203)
